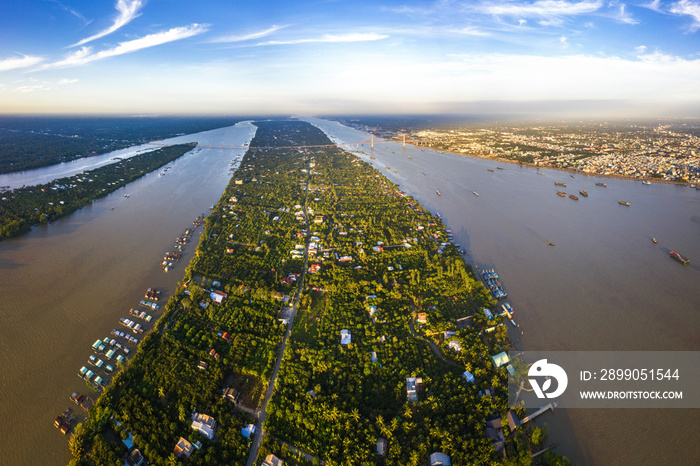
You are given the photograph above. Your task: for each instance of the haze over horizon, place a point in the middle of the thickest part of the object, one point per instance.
(542, 57)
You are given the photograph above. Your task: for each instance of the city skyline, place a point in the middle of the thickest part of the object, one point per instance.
(549, 57)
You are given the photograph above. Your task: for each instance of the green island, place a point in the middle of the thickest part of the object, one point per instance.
(313, 254)
(26, 207)
(28, 142)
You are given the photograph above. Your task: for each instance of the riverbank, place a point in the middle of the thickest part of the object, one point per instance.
(24, 208)
(563, 169)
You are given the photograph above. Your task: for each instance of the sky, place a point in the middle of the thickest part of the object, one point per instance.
(231, 57)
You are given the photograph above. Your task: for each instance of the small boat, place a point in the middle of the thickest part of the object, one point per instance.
(438, 192)
(541, 174)
(561, 193)
(572, 176)
(499, 168)
(489, 170)
(559, 183)
(583, 193)
(475, 193)
(575, 198)
(680, 258)
(424, 174)
(646, 183)
(602, 184)
(551, 244)
(624, 203)
(653, 240)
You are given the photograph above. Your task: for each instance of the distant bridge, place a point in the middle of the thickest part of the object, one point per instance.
(370, 140)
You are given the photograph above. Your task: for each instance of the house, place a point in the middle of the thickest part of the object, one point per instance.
(272, 460)
(372, 310)
(248, 430)
(134, 458)
(183, 447)
(381, 446)
(345, 337)
(413, 384)
(218, 296)
(232, 395)
(421, 317)
(314, 268)
(455, 345)
(204, 424)
(239, 181)
(468, 376)
(500, 359)
(513, 421)
(448, 334)
(440, 459)
(202, 365)
(318, 219)
(488, 314)
(373, 356)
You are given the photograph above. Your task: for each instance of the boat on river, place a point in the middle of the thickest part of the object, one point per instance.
(624, 203)
(549, 243)
(602, 184)
(438, 192)
(575, 198)
(583, 193)
(561, 193)
(680, 257)
(475, 193)
(559, 183)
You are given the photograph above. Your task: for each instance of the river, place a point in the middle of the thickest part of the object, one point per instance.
(66, 284)
(605, 286)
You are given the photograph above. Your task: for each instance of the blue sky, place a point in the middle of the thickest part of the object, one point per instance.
(333, 56)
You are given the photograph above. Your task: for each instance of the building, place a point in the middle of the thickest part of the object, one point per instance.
(183, 447)
(204, 424)
(134, 458)
(381, 446)
(232, 395)
(500, 359)
(345, 337)
(218, 296)
(455, 345)
(421, 318)
(440, 459)
(413, 384)
(272, 460)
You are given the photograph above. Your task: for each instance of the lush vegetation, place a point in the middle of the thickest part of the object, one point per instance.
(380, 266)
(23, 208)
(32, 142)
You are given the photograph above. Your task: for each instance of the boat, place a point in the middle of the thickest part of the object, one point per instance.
(559, 183)
(489, 170)
(575, 198)
(438, 192)
(561, 193)
(499, 168)
(602, 184)
(646, 183)
(541, 174)
(584, 193)
(475, 193)
(551, 244)
(653, 240)
(624, 203)
(572, 176)
(680, 257)
(77, 398)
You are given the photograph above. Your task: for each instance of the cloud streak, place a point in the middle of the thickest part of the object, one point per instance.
(86, 55)
(689, 8)
(242, 38)
(128, 10)
(550, 12)
(328, 38)
(24, 61)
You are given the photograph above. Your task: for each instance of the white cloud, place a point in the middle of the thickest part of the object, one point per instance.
(24, 61)
(351, 37)
(624, 16)
(245, 37)
(67, 81)
(640, 49)
(564, 42)
(689, 8)
(128, 10)
(34, 87)
(86, 55)
(472, 31)
(551, 11)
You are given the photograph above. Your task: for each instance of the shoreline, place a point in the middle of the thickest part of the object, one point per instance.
(569, 170)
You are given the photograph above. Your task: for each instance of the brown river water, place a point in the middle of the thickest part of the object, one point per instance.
(64, 285)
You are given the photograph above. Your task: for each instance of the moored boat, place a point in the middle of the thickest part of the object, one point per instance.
(575, 198)
(561, 193)
(624, 203)
(559, 183)
(601, 184)
(583, 193)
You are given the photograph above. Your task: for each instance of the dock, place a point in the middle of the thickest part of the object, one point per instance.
(542, 410)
